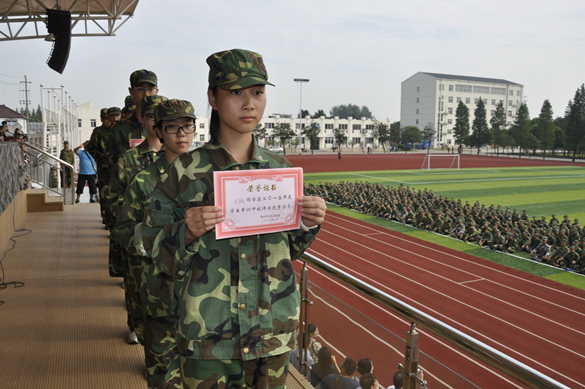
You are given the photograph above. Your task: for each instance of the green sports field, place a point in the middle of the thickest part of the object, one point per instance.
(541, 191)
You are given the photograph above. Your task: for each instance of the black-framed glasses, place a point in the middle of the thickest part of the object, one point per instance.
(141, 89)
(173, 128)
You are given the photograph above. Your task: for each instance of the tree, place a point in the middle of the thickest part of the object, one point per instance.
(395, 131)
(480, 131)
(575, 134)
(461, 129)
(520, 131)
(381, 132)
(345, 111)
(428, 134)
(311, 132)
(318, 114)
(306, 114)
(498, 122)
(340, 137)
(260, 133)
(545, 130)
(559, 140)
(411, 134)
(283, 132)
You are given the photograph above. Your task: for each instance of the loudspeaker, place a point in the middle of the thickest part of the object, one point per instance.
(59, 24)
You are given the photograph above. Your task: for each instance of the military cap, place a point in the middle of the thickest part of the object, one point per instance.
(236, 69)
(544, 238)
(576, 220)
(114, 111)
(174, 109)
(129, 103)
(104, 113)
(143, 75)
(149, 103)
(572, 248)
(66, 142)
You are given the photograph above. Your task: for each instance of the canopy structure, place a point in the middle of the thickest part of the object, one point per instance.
(27, 19)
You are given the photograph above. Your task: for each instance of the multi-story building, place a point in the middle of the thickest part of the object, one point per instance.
(88, 118)
(433, 98)
(359, 131)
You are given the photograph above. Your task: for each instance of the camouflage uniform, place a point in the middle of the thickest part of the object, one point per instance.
(96, 151)
(241, 300)
(68, 156)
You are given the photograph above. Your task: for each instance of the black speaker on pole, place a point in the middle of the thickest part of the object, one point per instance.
(59, 25)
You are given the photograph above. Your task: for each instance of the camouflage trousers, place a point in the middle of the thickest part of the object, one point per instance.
(260, 373)
(132, 270)
(160, 307)
(115, 258)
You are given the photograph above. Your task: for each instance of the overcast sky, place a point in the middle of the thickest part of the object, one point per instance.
(352, 52)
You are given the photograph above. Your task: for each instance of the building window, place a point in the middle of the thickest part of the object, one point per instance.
(449, 132)
(416, 121)
(476, 100)
(493, 113)
(498, 91)
(450, 110)
(510, 102)
(356, 127)
(417, 111)
(493, 101)
(369, 127)
(329, 140)
(79, 123)
(202, 138)
(448, 141)
(502, 101)
(485, 101)
(509, 122)
(417, 100)
(450, 99)
(458, 100)
(517, 93)
(269, 125)
(343, 126)
(356, 141)
(329, 126)
(441, 87)
(510, 113)
(417, 89)
(463, 88)
(450, 88)
(449, 121)
(511, 93)
(298, 126)
(92, 123)
(467, 100)
(201, 125)
(481, 89)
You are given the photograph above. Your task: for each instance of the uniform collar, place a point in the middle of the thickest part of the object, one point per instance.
(145, 148)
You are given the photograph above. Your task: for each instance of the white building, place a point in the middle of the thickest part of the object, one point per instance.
(88, 118)
(358, 131)
(433, 98)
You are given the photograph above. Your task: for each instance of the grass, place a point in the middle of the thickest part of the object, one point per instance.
(541, 191)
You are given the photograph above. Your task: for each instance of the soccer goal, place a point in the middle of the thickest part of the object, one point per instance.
(440, 161)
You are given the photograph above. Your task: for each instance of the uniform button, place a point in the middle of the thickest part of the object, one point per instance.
(245, 350)
(243, 256)
(238, 168)
(242, 306)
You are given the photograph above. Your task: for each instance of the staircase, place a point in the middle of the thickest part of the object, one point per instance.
(38, 200)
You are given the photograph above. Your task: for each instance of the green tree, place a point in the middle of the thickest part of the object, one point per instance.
(306, 114)
(395, 131)
(545, 130)
(428, 135)
(284, 133)
(481, 134)
(559, 140)
(340, 137)
(260, 133)
(318, 114)
(411, 134)
(311, 132)
(345, 111)
(575, 134)
(520, 131)
(381, 132)
(498, 122)
(461, 129)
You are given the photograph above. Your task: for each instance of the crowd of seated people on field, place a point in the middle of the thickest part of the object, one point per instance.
(557, 243)
(322, 371)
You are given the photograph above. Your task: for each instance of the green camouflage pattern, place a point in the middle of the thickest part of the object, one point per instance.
(174, 109)
(104, 113)
(240, 300)
(150, 103)
(143, 75)
(236, 69)
(68, 156)
(114, 111)
(262, 373)
(117, 140)
(129, 103)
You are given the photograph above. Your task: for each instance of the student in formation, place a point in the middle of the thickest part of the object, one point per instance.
(239, 307)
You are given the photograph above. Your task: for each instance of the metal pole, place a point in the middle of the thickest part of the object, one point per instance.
(301, 82)
(43, 141)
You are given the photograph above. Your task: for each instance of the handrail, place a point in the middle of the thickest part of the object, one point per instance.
(63, 163)
(487, 354)
(38, 145)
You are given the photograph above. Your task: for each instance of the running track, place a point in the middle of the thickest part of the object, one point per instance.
(534, 320)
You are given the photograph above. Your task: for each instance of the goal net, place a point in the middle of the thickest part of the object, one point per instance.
(440, 161)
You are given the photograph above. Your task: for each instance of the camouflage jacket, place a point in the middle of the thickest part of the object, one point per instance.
(120, 134)
(68, 156)
(93, 144)
(136, 201)
(241, 300)
(129, 163)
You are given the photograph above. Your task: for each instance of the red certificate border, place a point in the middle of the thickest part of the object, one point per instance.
(219, 181)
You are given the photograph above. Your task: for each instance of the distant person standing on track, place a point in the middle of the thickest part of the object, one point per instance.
(86, 172)
(339, 155)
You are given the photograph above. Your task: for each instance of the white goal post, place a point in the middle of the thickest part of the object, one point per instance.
(454, 157)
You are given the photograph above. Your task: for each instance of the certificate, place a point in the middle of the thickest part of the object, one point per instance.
(259, 201)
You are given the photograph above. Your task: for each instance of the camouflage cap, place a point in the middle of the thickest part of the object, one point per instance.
(104, 112)
(129, 103)
(149, 103)
(143, 75)
(66, 142)
(114, 111)
(236, 69)
(174, 109)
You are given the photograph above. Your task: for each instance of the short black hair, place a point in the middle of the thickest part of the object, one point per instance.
(367, 380)
(364, 366)
(398, 380)
(348, 366)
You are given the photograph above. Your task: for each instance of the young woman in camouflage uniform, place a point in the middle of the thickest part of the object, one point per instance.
(239, 307)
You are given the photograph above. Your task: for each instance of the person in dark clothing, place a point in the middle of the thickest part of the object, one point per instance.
(326, 365)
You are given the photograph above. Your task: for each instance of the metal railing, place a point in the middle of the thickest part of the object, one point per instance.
(39, 171)
(476, 348)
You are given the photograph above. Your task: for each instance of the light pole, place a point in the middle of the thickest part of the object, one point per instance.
(301, 82)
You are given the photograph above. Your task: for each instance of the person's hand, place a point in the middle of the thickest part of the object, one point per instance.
(333, 358)
(313, 210)
(199, 220)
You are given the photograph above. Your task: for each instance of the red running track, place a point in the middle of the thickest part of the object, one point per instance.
(534, 320)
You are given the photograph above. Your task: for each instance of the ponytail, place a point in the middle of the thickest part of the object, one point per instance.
(214, 121)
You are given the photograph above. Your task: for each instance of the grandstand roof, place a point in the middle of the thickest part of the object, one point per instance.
(468, 78)
(9, 113)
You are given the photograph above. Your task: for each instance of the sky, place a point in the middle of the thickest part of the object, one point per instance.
(352, 53)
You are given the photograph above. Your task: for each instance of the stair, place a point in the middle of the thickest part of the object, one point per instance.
(38, 200)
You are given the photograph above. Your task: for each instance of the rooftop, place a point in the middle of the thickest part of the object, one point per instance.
(469, 78)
